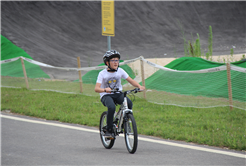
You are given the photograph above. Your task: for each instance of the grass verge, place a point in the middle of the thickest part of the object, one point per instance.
(211, 126)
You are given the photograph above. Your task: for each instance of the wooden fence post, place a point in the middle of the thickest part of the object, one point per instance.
(24, 71)
(80, 78)
(229, 84)
(143, 79)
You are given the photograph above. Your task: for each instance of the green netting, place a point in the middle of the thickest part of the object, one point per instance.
(198, 84)
(91, 76)
(14, 69)
(203, 84)
(238, 81)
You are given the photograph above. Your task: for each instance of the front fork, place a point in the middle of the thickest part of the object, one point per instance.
(122, 119)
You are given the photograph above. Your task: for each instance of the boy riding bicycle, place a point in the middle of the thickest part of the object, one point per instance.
(110, 79)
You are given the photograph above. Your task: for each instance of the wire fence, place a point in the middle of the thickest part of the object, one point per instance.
(222, 85)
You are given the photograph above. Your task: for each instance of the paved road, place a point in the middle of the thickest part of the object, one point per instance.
(31, 141)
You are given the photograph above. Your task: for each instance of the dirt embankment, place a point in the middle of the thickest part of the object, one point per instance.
(57, 32)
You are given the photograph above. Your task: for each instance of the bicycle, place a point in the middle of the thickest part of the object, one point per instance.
(123, 122)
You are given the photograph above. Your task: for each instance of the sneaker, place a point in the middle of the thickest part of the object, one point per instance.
(108, 135)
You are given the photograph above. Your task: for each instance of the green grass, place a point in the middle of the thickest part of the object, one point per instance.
(211, 126)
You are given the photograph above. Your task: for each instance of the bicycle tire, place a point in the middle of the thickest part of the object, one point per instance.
(107, 143)
(131, 134)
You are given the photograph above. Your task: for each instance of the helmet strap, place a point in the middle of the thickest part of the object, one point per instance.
(112, 70)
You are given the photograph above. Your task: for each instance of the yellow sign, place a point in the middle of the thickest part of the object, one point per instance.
(108, 18)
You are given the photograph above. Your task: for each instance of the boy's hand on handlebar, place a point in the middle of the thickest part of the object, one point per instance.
(141, 88)
(108, 90)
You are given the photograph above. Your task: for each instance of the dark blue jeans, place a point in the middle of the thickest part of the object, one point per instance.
(109, 101)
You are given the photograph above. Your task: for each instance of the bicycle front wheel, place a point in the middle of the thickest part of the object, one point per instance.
(131, 134)
(107, 143)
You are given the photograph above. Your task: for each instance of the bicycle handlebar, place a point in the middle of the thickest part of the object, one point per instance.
(135, 90)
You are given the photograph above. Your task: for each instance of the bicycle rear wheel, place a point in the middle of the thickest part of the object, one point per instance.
(107, 143)
(131, 134)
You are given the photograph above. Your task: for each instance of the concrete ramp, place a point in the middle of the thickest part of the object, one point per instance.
(57, 33)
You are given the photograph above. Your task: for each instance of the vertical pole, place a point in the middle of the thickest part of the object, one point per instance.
(24, 71)
(229, 85)
(80, 78)
(109, 43)
(143, 79)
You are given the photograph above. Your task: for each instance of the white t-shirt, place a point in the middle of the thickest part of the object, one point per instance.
(112, 80)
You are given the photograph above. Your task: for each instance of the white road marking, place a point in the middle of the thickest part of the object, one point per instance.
(49, 123)
(139, 138)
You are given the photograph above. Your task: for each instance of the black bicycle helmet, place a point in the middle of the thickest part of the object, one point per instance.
(109, 55)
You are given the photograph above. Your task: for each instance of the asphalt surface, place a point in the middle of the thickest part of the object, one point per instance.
(32, 141)
(57, 32)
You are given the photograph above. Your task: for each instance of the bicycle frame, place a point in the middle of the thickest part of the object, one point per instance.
(123, 109)
(121, 114)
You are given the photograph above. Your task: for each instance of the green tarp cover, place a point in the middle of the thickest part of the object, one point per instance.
(195, 63)
(241, 63)
(205, 84)
(10, 50)
(14, 69)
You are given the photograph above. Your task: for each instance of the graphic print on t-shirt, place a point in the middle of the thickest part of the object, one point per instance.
(112, 82)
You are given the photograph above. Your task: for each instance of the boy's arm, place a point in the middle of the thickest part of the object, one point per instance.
(100, 90)
(135, 83)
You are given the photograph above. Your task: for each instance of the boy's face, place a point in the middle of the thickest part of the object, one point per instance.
(114, 63)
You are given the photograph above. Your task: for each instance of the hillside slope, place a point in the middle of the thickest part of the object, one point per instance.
(57, 33)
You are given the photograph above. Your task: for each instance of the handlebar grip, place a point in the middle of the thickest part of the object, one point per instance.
(136, 90)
